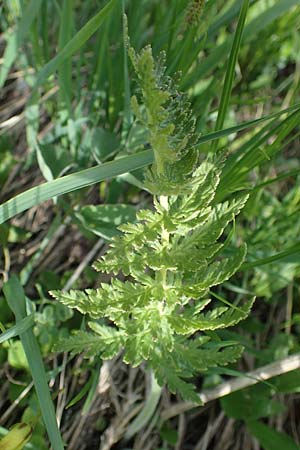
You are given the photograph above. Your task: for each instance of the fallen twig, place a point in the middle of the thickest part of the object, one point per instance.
(264, 373)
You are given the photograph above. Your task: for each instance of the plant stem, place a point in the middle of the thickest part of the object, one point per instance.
(165, 237)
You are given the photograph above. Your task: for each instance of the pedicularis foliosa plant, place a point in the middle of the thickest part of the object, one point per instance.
(170, 257)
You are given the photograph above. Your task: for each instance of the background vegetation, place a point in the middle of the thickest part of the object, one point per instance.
(65, 109)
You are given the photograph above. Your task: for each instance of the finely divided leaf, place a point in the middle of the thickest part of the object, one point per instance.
(163, 265)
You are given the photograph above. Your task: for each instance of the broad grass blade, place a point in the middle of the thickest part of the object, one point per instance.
(17, 302)
(72, 182)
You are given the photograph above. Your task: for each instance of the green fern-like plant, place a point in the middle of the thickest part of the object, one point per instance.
(170, 258)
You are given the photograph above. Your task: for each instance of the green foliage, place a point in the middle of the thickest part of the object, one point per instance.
(167, 116)
(252, 403)
(103, 220)
(277, 222)
(271, 439)
(16, 356)
(171, 255)
(81, 116)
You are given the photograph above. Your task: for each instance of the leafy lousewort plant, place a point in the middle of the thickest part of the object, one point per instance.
(170, 258)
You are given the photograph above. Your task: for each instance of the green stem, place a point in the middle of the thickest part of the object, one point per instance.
(165, 237)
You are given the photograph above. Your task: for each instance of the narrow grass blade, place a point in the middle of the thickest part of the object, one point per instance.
(282, 176)
(72, 182)
(251, 31)
(81, 393)
(226, 18)
(93, 389)
(75, 43)
(22, 326)
(16, 300)
(45, 20)
(16, 39)
(99, 69)
(227, 88)
(99, 173)
(148, 410)
(272, 13)
(294, 249)
(226, 302)
(254, 154)
(27, 270)
(242, 126)
(127, 107)
(96, 174)
(65, 70)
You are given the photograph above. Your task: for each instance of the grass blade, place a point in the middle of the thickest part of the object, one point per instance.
(22, 326)
(16, 39)
(87, 177)
(127, 96)
(75, 43)
(17, 302)
(294, 249)
(229, 76)
(282, 176)
(65, 70)
(251, 31)
(72, 182)
(254, 154)
(242, 126)
(27, 270)
(226, 18)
